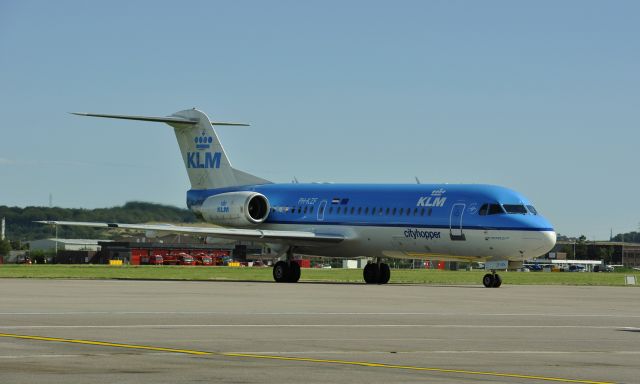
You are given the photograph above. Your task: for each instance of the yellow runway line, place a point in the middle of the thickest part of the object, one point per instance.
(413, 368)
(305, 359)
(105, 344)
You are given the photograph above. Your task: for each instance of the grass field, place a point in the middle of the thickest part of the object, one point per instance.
(422, 276)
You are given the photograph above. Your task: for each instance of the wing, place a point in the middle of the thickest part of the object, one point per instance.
(299, 238)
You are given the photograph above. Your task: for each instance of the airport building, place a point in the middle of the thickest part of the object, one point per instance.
(610, 252)
(65, 245)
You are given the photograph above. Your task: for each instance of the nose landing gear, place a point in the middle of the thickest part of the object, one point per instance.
(492, 280)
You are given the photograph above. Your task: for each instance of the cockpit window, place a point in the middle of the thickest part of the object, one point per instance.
(495, 209)
(515, 208)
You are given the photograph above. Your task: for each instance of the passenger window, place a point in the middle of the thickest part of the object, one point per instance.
(321, 210)
(408, 211)
(394, 211)
(338, 210)
(483, 210)
(387, 211)
(311, 209)
(299, 209)
(401, 211)
(352, 209)
(415, 211)
(330, 209)
(422, 212)
(306, 209)
(373, 211)
(366, 211)
(359, 210)
(429, 212)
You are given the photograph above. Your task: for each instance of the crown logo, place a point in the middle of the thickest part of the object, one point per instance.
(203, 141)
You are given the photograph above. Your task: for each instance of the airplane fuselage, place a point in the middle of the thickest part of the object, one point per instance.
(428, 221)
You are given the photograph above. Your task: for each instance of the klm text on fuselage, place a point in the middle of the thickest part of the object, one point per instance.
(431, 201)
(203, 159)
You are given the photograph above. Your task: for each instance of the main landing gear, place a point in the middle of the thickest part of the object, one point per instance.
(376, 273)
(287, 271)
(492, 280)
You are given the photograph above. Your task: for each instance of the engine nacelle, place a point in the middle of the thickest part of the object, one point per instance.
(236, 209)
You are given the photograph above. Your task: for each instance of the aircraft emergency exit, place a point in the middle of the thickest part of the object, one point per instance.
(450, 222)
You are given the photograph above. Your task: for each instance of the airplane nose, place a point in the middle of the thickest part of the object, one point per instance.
(548, 240)
(538, 243)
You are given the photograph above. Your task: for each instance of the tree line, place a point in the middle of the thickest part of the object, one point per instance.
(629, 237)
(21, 226)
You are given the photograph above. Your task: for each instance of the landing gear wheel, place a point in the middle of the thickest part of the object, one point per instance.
(281, 272)
(294, 272)
(371, 273)
(497, 281)
(385, 274)
(487, 280)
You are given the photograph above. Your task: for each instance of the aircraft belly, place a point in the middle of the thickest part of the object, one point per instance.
(411, 243)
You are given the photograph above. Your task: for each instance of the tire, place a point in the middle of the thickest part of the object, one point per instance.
(385, 274)
(497, 281)
(370, 273)
(294, 272)
(281, 272)
(487, 280)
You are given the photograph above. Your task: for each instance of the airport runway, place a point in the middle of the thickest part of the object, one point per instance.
(243, 332)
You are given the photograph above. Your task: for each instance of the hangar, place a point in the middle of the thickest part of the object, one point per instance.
(611, 252)
(65, 245)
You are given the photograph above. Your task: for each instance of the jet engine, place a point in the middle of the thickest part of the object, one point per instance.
(239, 209)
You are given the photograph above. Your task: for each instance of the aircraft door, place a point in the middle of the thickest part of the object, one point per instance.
(321, 208)
(455, 222)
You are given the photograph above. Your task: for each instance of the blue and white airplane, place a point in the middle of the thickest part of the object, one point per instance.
(449, 222)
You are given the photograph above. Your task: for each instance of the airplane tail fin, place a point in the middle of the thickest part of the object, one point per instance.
(204, 157)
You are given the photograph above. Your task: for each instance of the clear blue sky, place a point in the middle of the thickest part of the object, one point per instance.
(541, 96)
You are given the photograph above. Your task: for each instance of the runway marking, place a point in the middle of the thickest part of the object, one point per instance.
(303, 359)
(309, 314)
(104, 344)
(133, 326)
(451, 352)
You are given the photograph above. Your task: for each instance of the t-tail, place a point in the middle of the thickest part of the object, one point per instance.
(204, 157)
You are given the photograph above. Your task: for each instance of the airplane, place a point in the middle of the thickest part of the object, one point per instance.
(447, 222)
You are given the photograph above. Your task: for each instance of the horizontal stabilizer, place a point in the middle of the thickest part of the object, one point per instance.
(157, 119)
(204, 157)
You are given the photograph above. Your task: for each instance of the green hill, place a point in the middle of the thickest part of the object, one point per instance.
(21, 226)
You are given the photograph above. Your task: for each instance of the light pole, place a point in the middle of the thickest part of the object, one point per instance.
(56, 225)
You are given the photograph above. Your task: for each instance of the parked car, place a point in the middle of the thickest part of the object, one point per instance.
(185, 259)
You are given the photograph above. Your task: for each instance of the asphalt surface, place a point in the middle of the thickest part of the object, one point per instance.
(327, 333)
